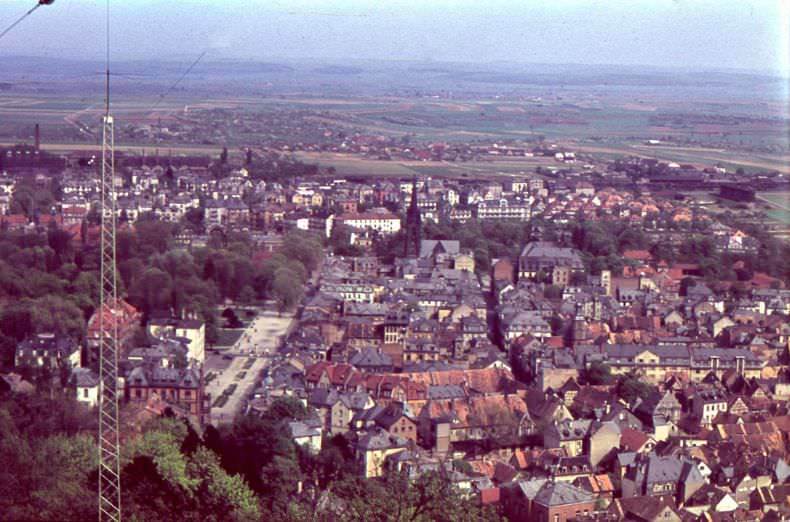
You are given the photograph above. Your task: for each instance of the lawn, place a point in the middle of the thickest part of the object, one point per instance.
(228, 337)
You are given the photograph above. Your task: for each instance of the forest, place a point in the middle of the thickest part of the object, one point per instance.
(49, 279)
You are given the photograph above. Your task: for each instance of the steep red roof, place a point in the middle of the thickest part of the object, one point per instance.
(632, 440)
(489, 495)
(123, 315)
(638, 255)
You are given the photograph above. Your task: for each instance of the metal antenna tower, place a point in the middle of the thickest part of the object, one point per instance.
(109, 445)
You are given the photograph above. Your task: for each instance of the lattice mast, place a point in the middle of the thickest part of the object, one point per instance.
(109, 444)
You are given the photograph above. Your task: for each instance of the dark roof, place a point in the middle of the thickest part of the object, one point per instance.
(84, 378)
(370, 357)
(378, 439)
(163, 377)
(561, 494)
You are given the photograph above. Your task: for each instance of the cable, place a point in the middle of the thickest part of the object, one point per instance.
(30, 12)
(178, 81)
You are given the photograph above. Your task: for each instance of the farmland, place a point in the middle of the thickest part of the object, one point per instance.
(733, 120)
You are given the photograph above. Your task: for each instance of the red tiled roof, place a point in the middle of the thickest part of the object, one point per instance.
(489, 496)
(638, 255)
(124, 316)
(632, 440)
(555, 341)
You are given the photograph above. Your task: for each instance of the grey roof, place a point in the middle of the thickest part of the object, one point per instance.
(378, 439)
(323, 397)
(84, 378)
(663, 469)
(545, 250)
(355, 400)
(370, 357)
(441, 246)
(574, 429)
(48, 345)
(165, 377)
(367, 415)
(530, 488)
(301, 429)
(626, 458)
(447, 391)
(562, 493)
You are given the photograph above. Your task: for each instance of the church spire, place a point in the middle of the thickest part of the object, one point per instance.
(413, 224)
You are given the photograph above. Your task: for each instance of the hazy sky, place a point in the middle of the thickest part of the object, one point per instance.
(751, 34)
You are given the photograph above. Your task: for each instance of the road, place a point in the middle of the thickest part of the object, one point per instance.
(258, 343)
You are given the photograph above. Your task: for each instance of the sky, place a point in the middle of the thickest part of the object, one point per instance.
(695, 34)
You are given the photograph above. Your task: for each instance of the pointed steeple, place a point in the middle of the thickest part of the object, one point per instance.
(413, 224)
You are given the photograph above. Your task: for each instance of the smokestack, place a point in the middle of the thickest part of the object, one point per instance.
(38, 138)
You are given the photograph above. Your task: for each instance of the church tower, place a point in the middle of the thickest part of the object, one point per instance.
(413, 225)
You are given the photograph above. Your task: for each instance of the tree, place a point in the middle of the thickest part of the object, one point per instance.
(286, 289)
(162, 482)
(60, 315)
(247, 295)
(305, 248)
(552, 292)
(152, 291)
(47, 464)
(219, 492)
(29, 199)
(430, 497)
(153, 235)
(250, 444)
(598, 373)
(231, 319)
(631, 388)
(194, 218)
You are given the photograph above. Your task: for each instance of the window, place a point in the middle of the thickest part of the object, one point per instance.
(138, 393)
(85, 392)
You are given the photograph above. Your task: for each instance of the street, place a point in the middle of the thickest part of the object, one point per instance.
(236, 378)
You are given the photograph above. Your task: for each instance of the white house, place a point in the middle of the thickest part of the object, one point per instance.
(86, 385)
(380, 220)
(305, 434)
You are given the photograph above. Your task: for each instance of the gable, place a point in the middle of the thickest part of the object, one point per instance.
(647, 357)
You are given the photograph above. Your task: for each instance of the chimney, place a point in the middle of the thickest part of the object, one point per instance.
(38, 138)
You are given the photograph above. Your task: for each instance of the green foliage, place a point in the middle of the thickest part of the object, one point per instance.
(48, 462)
(485, 239)
(303, 247)
(250, 471)
(30, 199)
(395, 498)
(281, 169)
(631, 388)
(340, 242)
(552, 292)
(598, 373)
(286, 288)
(165, 482)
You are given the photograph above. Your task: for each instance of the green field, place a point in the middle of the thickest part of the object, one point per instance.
(780, 206)
(352, 166)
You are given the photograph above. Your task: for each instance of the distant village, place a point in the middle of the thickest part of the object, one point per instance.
(555, 378)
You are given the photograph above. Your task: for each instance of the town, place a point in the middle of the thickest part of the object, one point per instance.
(401, 261)
(598, 343)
